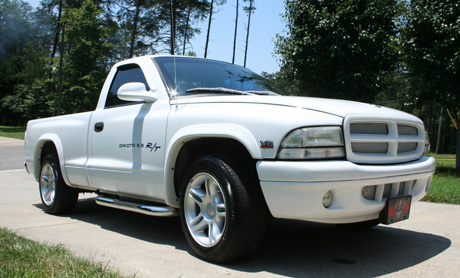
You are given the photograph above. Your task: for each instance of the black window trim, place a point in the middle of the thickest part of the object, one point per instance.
(127, 103)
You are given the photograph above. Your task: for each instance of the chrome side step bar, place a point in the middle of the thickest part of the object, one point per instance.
(164, 211)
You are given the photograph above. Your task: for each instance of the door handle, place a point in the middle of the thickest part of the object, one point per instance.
(98, 127)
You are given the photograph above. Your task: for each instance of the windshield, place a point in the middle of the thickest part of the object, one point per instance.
(191, 76)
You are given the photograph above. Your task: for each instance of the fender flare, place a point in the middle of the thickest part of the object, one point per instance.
(189, 133)
(49, 137)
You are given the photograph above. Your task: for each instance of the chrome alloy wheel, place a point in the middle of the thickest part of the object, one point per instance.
(47, 184)
(205, 209)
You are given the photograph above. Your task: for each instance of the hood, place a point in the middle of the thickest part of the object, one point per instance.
(335, 107)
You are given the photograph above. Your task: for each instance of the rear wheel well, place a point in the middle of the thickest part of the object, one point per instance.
(211, 146)
(47, 148)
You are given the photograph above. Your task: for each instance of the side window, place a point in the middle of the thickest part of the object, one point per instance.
(125, 74)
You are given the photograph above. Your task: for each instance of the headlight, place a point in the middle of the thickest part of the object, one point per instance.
(313, 143)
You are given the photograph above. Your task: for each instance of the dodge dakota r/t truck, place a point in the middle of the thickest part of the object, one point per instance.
(222, 148)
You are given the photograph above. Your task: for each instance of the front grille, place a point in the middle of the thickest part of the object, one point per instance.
(382, 192)
(376, 140)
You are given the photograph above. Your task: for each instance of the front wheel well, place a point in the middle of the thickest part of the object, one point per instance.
(194, 149)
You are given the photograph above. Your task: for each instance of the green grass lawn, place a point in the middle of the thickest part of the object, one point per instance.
(16, 132)
(445, 187)
(20, 257)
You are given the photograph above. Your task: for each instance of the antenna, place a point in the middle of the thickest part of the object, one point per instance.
(175, 74)
(175, 80)
(173, 41)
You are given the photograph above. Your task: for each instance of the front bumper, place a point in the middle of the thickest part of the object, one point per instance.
(295, 189)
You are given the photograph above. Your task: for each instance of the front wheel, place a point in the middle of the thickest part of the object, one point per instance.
(222, 212)
(56, 196)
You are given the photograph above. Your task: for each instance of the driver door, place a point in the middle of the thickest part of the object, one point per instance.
(128, 142)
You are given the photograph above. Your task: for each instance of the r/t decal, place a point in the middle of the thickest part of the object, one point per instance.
(153, 147)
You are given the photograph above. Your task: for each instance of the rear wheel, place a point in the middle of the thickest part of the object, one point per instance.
(56, 196)
(222, 212)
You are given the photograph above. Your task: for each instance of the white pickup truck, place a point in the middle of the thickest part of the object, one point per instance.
(219, 146)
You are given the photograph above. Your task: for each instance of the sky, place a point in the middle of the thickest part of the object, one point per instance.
(266, 22)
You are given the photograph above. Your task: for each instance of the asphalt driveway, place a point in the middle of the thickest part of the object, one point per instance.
(427, 244)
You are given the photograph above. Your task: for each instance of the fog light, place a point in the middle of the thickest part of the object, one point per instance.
(327, 199)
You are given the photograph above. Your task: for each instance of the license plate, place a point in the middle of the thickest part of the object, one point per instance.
(396, 209)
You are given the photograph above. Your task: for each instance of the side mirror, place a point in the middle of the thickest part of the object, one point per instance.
(136, 91)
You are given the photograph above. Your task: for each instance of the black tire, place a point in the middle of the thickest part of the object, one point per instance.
(223, 213)
(365, 225)
(57, 197)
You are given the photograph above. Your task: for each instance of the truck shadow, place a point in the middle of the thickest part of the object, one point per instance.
(306, 249)
(289, 248)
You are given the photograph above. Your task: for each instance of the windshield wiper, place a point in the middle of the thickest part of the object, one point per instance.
(263, 93)
(220, 90)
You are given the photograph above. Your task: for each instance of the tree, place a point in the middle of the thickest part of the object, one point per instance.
(23, 64)
(211, 12)
(47, 25)
(58, 28)
(157, 25)
(340, 49)
(97, 34)
(31, 97)
(87, 40)
(249, 10)
(140, 24)
(432, 44)
(282, 81)
(236, 30)
(187, 24)
(15, 27)
(135, 22)
(194, 11)
(209, 30)
(173, 26)
(179, 16)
